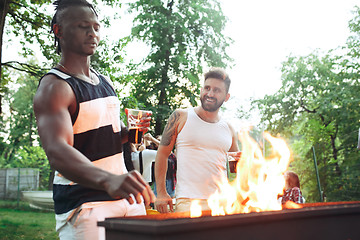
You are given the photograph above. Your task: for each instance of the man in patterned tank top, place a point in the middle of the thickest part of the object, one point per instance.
(78, 119)
(202, 140)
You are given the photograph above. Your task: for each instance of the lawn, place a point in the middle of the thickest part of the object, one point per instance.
(25, 223)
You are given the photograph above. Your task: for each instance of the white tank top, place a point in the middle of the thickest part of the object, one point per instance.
(201, 149)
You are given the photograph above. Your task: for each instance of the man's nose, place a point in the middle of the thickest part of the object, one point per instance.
(211, 93)
(92, 32)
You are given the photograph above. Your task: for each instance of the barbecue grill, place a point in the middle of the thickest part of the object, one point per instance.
(337, 221)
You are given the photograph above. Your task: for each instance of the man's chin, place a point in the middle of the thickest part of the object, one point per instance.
(90, 51)
(209, 108)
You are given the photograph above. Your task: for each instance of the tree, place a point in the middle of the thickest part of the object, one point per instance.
(318, 106)
(21, 122)
(19, 150)
(28, 22)
(184, 36)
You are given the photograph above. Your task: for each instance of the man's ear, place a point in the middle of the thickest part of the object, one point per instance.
(227, 97)
(57, 30)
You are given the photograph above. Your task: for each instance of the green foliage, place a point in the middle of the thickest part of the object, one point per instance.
(109, 59)
(184, 36)
(18, 151)
(22, 120)
(33, 157)
(29, 21)
(354, 40)
(318, 105)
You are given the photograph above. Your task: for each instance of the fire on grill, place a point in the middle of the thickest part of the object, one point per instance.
(258, 181)
(254, 191)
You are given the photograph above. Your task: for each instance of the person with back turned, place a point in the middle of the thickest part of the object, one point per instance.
(292, 190)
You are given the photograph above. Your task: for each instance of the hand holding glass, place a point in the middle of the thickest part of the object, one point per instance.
(138, 122)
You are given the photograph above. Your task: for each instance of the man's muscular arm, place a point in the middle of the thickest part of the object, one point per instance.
(167, 143)
(54, 103)
(170, 131)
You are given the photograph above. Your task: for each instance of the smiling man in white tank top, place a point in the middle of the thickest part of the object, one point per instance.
(202, 140)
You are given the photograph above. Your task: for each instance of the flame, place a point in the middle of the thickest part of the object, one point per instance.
(195, 209)
(258, 182)
(292, 205)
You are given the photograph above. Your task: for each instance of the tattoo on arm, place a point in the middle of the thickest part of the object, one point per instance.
(170, 129)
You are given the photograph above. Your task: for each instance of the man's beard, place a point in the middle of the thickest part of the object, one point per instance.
(212, 107)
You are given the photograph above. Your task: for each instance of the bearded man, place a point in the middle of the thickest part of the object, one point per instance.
(202, 140)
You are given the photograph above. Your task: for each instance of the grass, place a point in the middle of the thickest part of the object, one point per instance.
(25, 223)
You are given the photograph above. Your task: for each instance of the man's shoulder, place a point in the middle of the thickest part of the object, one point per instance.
(54, 75)
(52, 82)
(180, 115)
(52, 89)
(181, 111)
(178, 118)
(228, 124)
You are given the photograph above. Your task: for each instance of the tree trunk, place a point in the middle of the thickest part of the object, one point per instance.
(164, 74)
(30, 129)
(4, 6)
(162, 97)
(158, 124)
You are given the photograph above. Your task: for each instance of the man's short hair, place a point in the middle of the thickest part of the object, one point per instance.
(220, 74)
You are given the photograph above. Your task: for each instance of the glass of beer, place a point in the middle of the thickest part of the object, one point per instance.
(134, 117)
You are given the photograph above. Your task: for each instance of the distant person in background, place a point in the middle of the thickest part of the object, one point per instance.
(143, 159)
(292, 190)
(151, 142)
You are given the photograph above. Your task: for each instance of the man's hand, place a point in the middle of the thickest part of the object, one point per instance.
(148, 137)
(162, 202)
(132, 183)
(235, 155)
(144, 122)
